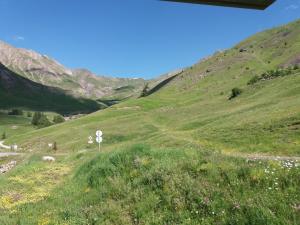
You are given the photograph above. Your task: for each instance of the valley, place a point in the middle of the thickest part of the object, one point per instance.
(215, 143)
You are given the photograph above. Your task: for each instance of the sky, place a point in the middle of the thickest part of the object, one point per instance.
(132, 38)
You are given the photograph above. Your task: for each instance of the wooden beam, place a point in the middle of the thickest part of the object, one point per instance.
(251, 4)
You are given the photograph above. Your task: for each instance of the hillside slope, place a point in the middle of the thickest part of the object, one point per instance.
(19, 92)
(195, 105)
(183, 155)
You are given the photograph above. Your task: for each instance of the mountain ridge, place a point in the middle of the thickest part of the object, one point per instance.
(45, 70)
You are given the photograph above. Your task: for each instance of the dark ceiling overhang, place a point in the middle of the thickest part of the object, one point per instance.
(251, 4)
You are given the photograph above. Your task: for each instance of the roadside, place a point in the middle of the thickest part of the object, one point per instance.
(4, 146)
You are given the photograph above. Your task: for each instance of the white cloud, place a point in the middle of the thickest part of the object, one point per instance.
(18, 38)
(293, 6)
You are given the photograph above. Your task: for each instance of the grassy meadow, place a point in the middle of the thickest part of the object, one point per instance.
(182, 155)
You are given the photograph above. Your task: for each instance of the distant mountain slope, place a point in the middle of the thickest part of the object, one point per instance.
(271, 49)
(17, 91)
(44, 70)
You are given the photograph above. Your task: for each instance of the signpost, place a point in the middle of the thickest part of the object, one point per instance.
(90, 140)
(99, 138)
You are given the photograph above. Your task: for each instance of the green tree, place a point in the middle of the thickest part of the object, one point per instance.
(29, 114)
(58, 119)
(44, 121)
(41, 120)
(3, 135)
(16, 112)
(36, 117)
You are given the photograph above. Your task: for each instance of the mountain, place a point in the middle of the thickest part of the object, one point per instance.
(202, 149)
(19, 92)
(81, 82)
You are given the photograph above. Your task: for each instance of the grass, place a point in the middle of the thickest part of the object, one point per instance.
(142, 185)
(162, 159)
(13, 125)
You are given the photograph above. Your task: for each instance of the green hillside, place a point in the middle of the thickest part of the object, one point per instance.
(186, 154)
(19, 92)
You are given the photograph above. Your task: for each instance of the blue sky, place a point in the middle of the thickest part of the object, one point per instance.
(132, 38)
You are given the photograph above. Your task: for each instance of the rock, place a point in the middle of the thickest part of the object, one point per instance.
(48, 159)
(7, 167)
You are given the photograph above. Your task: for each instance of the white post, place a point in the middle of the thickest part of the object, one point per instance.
(99, 138)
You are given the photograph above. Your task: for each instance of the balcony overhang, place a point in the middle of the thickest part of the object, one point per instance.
(250, 4)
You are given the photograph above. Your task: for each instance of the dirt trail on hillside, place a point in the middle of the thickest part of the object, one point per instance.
(255, 156)
(264, 157)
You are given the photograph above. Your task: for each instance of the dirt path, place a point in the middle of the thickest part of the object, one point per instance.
(264, 157)
(6, 154)
(254, 156)
(3, 146)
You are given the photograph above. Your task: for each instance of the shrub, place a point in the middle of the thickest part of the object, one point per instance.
(235, 92)
(271, 74)
(16, 112)
(3, 135)
(41, 120)
(55, 146)
(296, 67)
(58, 119)
(44, 122)
(29, 114)
(254, 80)
(36, 117)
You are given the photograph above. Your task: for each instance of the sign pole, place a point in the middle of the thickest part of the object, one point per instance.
(99, 138)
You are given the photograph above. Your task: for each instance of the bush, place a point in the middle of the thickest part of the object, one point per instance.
(235, 92)
(271, 74)
(296, 67)
(58, 119)
(36, 117)
(3, 135)
(254, 80)
(55, 146)
(16, 112)
(41, 120)
(44, 122)
(29, 114)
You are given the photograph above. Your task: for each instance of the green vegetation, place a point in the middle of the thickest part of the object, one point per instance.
(55, 146)
(235, 92)
(58, 119)
(143, 185)
(3, 136)
(272, 74)
(40, 120)
(14, 125)
(16, 112)
(203, 159)
(29, 114)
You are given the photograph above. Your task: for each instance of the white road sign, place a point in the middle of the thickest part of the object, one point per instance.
(99, 133)
(99, 139)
